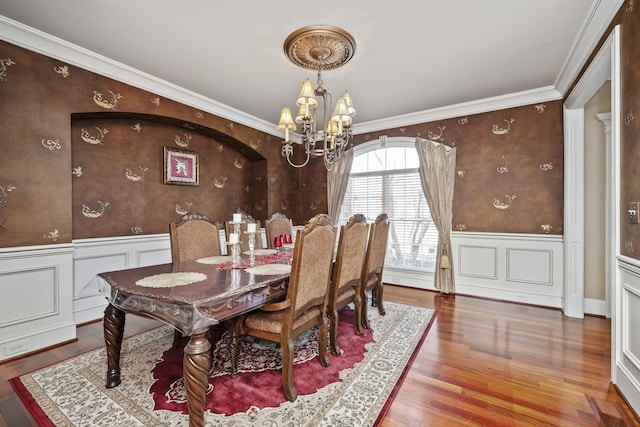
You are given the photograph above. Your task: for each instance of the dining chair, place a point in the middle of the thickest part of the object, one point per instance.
(345, 281)
(244, 238)
(275, 226)
(194, 236)
(373, 266)
(305, 304)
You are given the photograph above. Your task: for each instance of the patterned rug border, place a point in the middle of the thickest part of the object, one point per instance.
(332, 416)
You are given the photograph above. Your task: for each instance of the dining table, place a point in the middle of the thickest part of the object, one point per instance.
(191, 296)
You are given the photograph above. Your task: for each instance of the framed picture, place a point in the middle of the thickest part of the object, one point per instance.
(181, 167)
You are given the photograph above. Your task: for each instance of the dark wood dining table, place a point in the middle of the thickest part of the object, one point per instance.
(191, 296)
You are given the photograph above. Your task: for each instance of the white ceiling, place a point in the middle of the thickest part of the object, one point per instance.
(411, 55)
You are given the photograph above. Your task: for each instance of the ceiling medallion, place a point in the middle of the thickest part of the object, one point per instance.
(320, 47)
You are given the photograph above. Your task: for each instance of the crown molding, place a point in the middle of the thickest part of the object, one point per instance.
(511, 100)
(32, 39)
(598, 19)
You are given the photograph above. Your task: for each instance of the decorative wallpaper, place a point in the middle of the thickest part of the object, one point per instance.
(82, 157)
(509, 167)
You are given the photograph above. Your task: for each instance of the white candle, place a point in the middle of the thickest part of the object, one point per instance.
(237, 218)
(251, 227)
(233, 238)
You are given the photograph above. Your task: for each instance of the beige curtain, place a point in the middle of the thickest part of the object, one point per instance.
(337, 180)
(437, 175)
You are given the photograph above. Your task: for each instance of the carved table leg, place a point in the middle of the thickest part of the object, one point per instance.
(195, 368)
(113, 331)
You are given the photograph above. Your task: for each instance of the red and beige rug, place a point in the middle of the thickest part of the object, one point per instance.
(355, 390)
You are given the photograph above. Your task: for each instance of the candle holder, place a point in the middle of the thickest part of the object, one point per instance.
(234, 252)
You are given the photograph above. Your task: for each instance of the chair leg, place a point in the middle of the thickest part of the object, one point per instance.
(357, 317)
(287, 371)
(364, 316)
(322, 342)
(380, 294)
(333, 333)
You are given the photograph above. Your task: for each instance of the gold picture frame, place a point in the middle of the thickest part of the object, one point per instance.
(181, 167)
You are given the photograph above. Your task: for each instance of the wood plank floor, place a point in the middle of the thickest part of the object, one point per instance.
(484, 363)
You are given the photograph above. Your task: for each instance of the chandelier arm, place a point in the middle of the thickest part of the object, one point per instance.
(300, 165)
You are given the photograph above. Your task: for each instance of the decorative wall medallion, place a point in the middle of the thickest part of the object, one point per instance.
(503, 130)
(546, 167)
(461, 174)
(546, 228)
(4, 63)
(3, 193)
(63, 71)
(284, 205)
(629, 8)
(137, 229)
(91, 139)
(239, 162)
(220, 182)
(51, 144)
(273, 179)
(247, 188)
(259, 206)
(77, 171)
(106, 104)
(503, 205)
(183, 210)
(463, 121)
(461, 227)
(134, 177)
(53, 235)
(540, 108)
(183, 143)
(94, 213)
(402, 131)
(502, 169)
(136, 127)
(629, 247)
(258, 179)
(629, 118)
(156, 101)
(220, 147)
(199, 114)
(3, 222)
(437, 137)
(254, 144)
(314, 205)
(230, 125)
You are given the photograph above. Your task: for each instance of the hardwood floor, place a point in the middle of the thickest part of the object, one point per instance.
(483, 363)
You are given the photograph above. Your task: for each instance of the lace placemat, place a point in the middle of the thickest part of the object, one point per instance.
(170, 280)
(214, 259)
(268, 269)
(260, 252)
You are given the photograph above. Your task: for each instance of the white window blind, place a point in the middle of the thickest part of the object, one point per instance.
(386, 180)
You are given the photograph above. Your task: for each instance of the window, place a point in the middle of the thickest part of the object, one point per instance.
(385, 180)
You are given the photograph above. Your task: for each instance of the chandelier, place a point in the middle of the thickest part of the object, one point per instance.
(322, 135)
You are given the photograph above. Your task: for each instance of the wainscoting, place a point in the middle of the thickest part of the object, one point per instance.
(36, 303)
(522, 268)
(626, 337)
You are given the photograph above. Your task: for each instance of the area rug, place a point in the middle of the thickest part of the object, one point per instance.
(355, 390)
